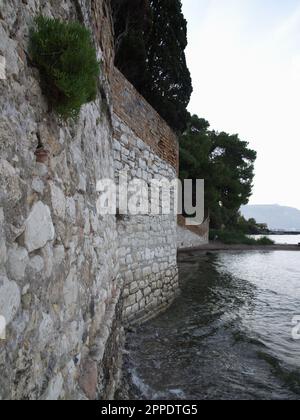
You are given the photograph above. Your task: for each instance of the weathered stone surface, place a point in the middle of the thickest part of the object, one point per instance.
(60, 316)
(133, 287)
(10, 299)
(71, 209)
(9, 49)
(131, 300)
(39, 228)
(58, 201)
(70, 309)
(59, 255)
(71, 374)
(46, 330)
(37, 264)
(139, 296)
(148, 244)
(10, 191)
(3, 250)
(55, 388)
(188, 239)
(152, 133)
(38, 185)
(47, 254)
(71, 292)
(17, 263)
(89, 379)
(41, 169)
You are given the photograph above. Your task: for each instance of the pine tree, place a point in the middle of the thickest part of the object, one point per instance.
(225, 162)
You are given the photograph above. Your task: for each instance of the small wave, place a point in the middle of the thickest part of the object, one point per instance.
(178, 393)
(291, 378)
(239, 336)
(143, 389)
(145, 392)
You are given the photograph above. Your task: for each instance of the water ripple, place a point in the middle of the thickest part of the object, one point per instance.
(227, 336)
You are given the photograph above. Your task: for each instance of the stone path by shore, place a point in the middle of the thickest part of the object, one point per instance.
(217, 246)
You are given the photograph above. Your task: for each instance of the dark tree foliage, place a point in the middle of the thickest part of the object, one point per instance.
(170, 85)
(251, 227)
(227, 165)
(150, 38)
(132, 26)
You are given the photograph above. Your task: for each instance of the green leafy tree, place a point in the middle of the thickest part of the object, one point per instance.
(251, 227)
(233, 163)
(225, 163)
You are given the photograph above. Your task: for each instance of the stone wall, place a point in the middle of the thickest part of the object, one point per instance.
(143, 121)
(187, 239)
(148, 246)
(71, 279)
(192, 236)
(146, 148)
(59, 272)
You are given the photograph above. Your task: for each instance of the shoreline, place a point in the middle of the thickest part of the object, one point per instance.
(217, 246)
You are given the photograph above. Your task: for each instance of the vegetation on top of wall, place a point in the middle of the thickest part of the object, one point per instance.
(150, 42)
(234, 237)
(67, 60)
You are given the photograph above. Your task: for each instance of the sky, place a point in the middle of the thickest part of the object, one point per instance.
(244, 57)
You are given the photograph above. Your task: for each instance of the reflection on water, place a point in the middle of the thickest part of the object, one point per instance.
(228, 335)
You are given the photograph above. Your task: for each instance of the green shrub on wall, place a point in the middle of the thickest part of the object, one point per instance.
(66, 58)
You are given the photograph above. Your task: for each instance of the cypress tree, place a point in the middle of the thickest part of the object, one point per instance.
(169, 88)
(132, 23)
(150, 39)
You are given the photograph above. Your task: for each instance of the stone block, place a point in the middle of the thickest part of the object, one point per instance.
(88, 380)
(139, 296)
(17, 263)
(147, 271)
(71, 292)
(58, 201)
(134, 287)
(10, 298)
(10, 192)
(3, 249)
(39, 228)
(55, 388)
(38, 185)
(131, 300)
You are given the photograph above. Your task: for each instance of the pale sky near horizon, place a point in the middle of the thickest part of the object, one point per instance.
(244, 57)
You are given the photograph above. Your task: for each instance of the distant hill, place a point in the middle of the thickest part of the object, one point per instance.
(277, 217)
